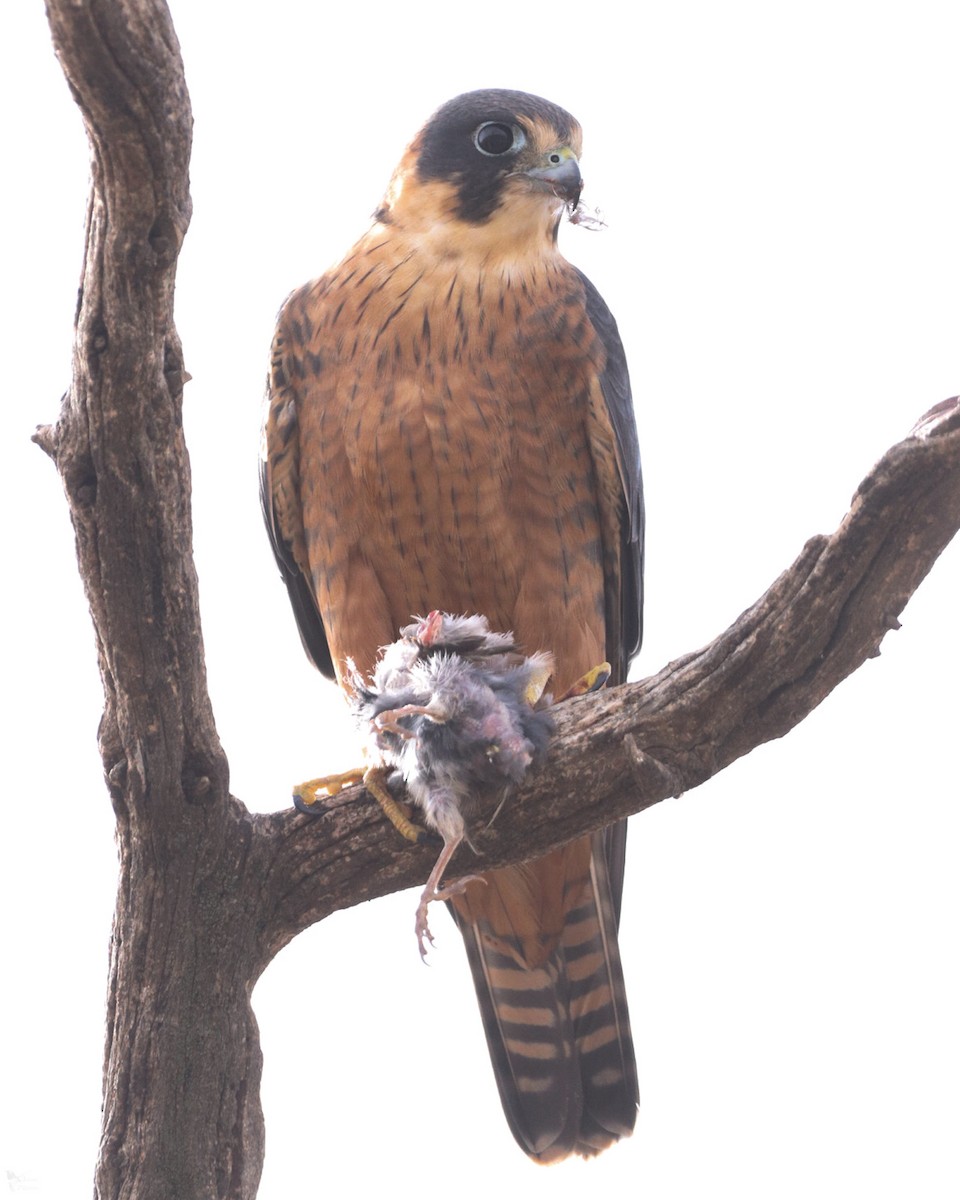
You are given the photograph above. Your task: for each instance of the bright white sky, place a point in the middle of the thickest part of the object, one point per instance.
(781, 186)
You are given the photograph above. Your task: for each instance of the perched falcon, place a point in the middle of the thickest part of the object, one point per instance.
(450, 427)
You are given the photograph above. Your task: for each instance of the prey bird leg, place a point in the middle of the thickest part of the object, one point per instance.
(389, 721)
(433, 890)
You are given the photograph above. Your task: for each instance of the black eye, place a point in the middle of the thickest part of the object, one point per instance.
(494, 138)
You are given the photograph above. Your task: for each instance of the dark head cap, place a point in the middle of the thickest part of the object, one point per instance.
(477, 140)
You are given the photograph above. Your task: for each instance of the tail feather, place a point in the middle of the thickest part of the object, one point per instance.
(557, 1027)
(601, 1021)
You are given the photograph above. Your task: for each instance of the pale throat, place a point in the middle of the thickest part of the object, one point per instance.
(520, 232)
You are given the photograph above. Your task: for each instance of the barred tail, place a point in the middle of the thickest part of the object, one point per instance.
(553, 1002)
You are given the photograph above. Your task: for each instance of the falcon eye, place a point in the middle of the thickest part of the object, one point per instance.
(494, 138)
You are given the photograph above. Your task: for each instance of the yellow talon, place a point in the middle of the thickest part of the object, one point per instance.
(329, 785)
(538, 682)
(374, 779)
(592, 681)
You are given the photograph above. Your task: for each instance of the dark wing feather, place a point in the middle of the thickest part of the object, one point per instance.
(615, 384)
(279, 489)
(598, 1002)
(310, 626)
(610, 844)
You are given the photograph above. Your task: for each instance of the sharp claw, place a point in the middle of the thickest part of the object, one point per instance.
(592, 681)
(306, 795)
(447, 892)
(423, 929)
(310, 807)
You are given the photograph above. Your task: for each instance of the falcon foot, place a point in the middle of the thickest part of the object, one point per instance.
(430, 893)
(592, 681)
(307, 795)
(375, 781)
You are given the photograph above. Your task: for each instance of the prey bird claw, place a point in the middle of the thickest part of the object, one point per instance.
(447, 892)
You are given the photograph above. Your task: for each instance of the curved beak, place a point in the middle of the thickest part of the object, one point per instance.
(558, 172)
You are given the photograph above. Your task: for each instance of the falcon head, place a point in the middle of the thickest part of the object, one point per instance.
(502, 163)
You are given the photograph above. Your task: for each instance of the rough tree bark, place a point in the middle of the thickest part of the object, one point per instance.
(209, 892)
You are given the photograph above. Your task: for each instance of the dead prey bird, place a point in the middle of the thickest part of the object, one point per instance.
(457, 714)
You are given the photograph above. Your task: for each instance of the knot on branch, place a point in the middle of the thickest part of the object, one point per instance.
(165, 239)
(174, 373)
(654, 778)
(47, 438)
(942, 418)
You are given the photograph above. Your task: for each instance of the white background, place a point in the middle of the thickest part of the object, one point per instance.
(781, 185)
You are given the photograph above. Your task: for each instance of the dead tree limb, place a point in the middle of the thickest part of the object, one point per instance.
(208, 892)
(182, 1060)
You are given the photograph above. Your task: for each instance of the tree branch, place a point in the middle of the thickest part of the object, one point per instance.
(622, 751)
(119, 442)
(182, 960)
